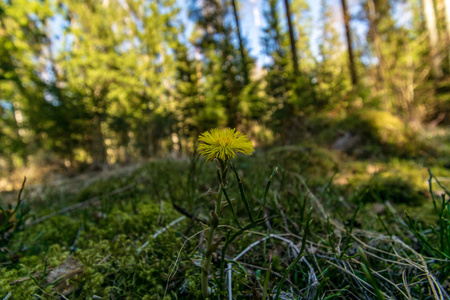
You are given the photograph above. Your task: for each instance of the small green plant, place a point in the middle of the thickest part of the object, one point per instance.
(221, 146)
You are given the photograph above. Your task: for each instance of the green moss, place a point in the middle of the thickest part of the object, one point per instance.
(313, 162)
(126, 274)
(382, 133)
(398, 183)
(380, 126)
(393, 188)
(24, 290)
(114, 240)
(276, 263)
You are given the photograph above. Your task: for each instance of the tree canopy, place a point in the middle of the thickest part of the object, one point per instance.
(120, 80)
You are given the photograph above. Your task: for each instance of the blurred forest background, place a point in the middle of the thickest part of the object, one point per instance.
(90, 83)
(347, 103)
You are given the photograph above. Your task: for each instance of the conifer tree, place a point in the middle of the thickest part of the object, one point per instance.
(433, 35)
(348, 34)
(331, 85)
(119, 65)
(244, 60)
(26, 114)
(274, 47)
(222, 60)
(292, 38)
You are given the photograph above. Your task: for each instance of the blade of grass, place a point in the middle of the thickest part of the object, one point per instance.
(19, 197)
(241, 192)
(263, 205)
(368, 272)
(267, 277)
(439, 183)
(299, 256)
(423, 239)
(236, 220)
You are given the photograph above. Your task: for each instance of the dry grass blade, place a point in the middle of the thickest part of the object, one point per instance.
(405, 283)
(365, 285)
(436, 288)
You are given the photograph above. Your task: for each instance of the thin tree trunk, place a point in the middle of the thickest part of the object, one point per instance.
(349, 43)
(381, 67)
(241, 44)
(198, 73)
(99, 151)
(430, 18)
(98, 143)
(17, 124)
(447, 15)
(291, 38)
(447, 23)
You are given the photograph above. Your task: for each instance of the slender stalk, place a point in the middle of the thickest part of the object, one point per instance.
(261, 210)
(228, 200)
(210, 247)
(241, 192)
(299, 256)
(267, 277)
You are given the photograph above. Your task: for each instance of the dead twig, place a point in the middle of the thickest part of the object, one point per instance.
(191, 216)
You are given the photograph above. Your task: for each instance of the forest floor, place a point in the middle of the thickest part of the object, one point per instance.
(378, 231)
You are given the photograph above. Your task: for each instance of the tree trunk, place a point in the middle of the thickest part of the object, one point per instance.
(291, 38)
(381, 67)
(430, 18)
(349, 43)
(18, 120)
(447, 15)
(241, 44)
(98, 143)
(447, 24)
(198, 74)
(98, 147)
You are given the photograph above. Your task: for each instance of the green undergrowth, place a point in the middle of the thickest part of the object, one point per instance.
(138, 236)
(92, 236)
(375, 134)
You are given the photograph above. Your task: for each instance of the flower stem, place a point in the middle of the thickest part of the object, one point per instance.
(214, 222)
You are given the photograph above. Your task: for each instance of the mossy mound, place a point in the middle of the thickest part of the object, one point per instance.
(397, 186)
(313, 162)
(118, 254)
(380, 133)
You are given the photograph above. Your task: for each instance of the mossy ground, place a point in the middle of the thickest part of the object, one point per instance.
(121, 248)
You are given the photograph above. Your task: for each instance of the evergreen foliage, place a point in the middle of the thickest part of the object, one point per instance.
(115, 81)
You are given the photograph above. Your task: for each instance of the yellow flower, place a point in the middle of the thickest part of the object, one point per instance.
(223, 144)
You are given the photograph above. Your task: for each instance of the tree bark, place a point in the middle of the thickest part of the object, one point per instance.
(17, 124)
(447, 24)
(291, 38)
(447, 15)
(349, 43)
(376, 39)
(241, 44)
(98, 147)
(98, 143)
(430, 19)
